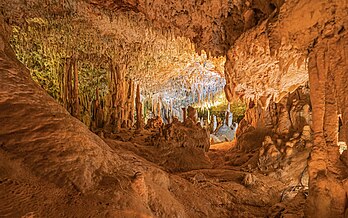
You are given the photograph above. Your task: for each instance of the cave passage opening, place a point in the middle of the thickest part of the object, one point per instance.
(94, 72)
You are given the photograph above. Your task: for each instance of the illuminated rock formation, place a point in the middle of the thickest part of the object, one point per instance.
(287, 60)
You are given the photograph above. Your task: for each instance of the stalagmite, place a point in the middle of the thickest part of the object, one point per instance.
(155, 104)
(67, 87)
(98, 112)
(111, 105)
(120, 98)
(201, 122)
(65, 83)
(158, 107)
(192, 114)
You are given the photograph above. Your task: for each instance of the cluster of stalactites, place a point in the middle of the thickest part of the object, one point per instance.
(118, 108)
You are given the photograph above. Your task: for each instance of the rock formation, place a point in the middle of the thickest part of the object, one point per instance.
(53, 166)
(139, 109)
(154, 123)
(295, 44)
(183, 144)
(286, 59)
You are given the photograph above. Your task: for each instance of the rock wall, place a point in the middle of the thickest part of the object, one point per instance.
(284, 118)
(306, 38)
(328, 71)
(27, 111)
(252, 64)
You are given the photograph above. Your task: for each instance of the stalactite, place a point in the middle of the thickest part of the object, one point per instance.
(184, 114)
(122, 95)
(158, 108)
(65, 83)
(76, 90)
(130, 103)
(69, 86)
(97, 114)
(138, 104)
(111, 97)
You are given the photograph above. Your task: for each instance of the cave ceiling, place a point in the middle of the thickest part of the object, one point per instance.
(160, 43)
(211, 25)
(160, 55)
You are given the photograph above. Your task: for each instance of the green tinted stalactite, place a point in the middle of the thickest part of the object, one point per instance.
(76, 91)
(64, 86)
(48, 44)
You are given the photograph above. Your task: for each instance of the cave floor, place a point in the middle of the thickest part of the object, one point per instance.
(224, 188)
(265, 196)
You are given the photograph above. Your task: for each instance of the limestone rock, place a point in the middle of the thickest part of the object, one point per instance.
(154, 123)
(344, 158)
(288, 151)
(225, 133)
(182, 145)
(214, 139)
(306, 133)
(305, 178)
(273, 152)
(179, 134)
(192, 114)
(267, 141)
(309, 144)
(198, 178)
(289, 144)
(249, 180)
(284, 124)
